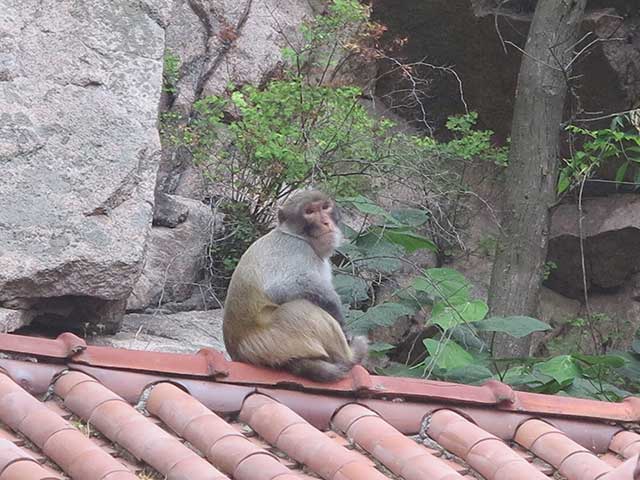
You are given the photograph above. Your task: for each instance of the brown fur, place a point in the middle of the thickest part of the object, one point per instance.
(296, 335)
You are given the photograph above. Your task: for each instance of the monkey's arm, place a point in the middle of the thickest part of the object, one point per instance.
(330, 305)
(313, 291)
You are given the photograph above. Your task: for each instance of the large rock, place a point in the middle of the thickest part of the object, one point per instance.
(79, 149)
(176, 254)
(611, 232)
(185, 332)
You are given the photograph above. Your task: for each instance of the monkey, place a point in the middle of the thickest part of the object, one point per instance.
(281, 309)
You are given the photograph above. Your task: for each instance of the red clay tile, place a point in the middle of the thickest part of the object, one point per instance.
(6, 434)
(40, 424)
(469, 421)
(303, 442)
(57, 439)
(317, 409)
(400, 454)
(124, 425)
(584, 466)
(208, 364)
(221, 398)
(55, 407)
(484, 452)
(626, 443)
(629, 470)
(594, 436)
(35, 378)
(553, 446)
(611, 459)
(449, 428)
(222, 444)
(260, 465)
(17, 464)
(25, 470)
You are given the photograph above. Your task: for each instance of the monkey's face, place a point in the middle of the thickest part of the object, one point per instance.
(321, 221)
(315, 216)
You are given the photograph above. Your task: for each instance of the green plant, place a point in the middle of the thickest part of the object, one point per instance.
(549, 267)
(225, 251)
(170, 72)
(458, 350)
(470, 143)
(620, 141)
(487, 245)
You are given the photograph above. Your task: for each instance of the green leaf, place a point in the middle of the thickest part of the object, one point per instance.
(381, 315)
(409, 241)
(563, 181)
(447, 354)
(517, 326)
(444, 283)
(609, 361)
(378, 254)
(380, 348)
(468, 375)
(621, 172)
(583, 388)
(447, 317)
(366, 206)
(520, 375)
(412, 217)
(562, 369)
(351, 289)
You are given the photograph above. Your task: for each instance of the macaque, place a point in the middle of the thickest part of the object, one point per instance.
(281, 308)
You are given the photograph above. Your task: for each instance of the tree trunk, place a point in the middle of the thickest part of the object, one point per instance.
(533, 166)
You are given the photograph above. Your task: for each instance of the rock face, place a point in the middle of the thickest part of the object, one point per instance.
(185, 332)
(611, 230)
(222, 41)
(176, 253)
(463, 33)
(79, 151)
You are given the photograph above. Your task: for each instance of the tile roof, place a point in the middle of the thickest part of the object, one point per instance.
(69, 410)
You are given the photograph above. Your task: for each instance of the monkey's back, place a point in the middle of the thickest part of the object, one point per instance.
(260, 269)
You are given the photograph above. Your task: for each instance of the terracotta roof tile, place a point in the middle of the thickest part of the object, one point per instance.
(210, 434)
(15, 463)
(626, 443)
(201, 416)
(554, 446)
(401, 455)
(124, 425)
(484, 452)
(66, 446)
(293, 435)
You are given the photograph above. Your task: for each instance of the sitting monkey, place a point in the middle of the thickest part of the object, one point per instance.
(281, 308)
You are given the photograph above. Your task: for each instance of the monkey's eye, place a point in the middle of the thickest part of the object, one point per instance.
(326, 206)
(308, 211)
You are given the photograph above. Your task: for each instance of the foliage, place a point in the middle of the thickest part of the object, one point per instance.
(548, 268)
(170, 72)
(470, 143)
(223, 256)
(458, 351)
(621, 142)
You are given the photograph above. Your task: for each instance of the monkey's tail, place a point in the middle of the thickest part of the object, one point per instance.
(324, 371)
(318, 370)
(359, 348)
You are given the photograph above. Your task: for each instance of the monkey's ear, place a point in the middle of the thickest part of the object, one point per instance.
(282, 217)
